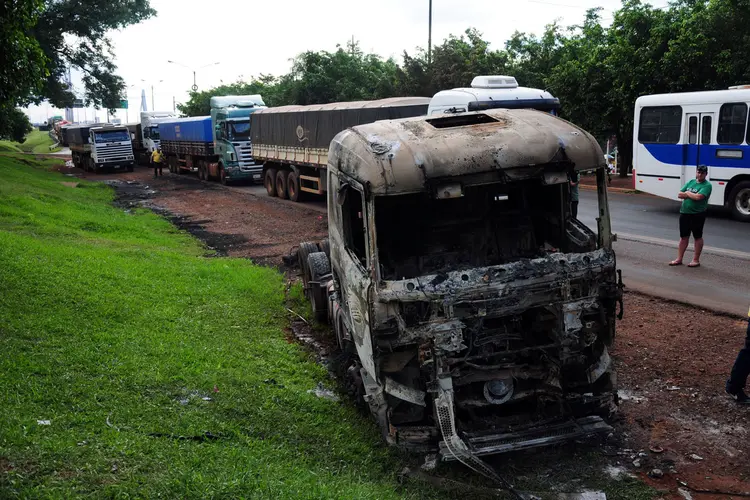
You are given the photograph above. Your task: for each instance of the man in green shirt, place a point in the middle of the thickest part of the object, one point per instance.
(694, 196)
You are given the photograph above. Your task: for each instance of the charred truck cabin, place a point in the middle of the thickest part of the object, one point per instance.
(478, 312)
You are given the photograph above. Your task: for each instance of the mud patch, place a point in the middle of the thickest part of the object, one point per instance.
(221, 243)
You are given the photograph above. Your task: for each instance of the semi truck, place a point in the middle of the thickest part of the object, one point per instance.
(215, 146)
(98, 146)
(149, 132)
(293, 141)
(473, 311)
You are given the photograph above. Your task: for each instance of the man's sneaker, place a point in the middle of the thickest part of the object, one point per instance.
(739, 396)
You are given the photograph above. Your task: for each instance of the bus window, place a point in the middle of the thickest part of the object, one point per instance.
(732, 119)
(693, 130)
(706, 130)
(660, 124)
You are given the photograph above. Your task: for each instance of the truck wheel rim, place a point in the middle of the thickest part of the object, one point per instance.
(742, 202)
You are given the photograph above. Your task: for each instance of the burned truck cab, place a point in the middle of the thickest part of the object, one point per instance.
(478, 311)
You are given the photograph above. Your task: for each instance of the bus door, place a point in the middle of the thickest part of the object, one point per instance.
(697, 133)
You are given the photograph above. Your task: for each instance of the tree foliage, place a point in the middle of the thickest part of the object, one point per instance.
(42, 39)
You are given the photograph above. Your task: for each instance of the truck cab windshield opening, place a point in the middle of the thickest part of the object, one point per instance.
(490, 225)
(239, 131)
(112, 136)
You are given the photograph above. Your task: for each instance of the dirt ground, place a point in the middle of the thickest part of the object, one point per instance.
(672, 359)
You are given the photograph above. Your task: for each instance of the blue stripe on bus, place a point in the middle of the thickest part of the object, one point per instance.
(685, 154)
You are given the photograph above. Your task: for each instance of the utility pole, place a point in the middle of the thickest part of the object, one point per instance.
(174, 105)
(153, 108)
(429, 38)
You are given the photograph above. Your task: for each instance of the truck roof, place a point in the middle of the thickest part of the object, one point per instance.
(410, 154)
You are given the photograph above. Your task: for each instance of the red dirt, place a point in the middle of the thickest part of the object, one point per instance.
(660, 345)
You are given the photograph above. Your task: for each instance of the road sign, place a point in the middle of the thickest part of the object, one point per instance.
(78, 103)
(124, 104)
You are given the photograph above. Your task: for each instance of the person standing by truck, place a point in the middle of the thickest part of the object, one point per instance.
(694, 195)
(157, 161)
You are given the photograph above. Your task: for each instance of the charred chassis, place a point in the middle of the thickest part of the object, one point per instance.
(478, 313)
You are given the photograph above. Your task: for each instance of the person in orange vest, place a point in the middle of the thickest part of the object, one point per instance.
(735, 386)
(157, 161)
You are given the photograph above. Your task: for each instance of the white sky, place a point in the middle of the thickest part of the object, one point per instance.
(250, 37)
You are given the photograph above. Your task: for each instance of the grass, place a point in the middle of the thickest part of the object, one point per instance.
(35, 142)
(115, 327)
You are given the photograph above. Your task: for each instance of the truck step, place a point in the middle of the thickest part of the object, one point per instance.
(535, 437)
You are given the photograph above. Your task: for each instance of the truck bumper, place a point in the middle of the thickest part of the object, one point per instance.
(248, 172)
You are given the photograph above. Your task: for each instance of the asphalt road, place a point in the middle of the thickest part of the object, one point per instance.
(647, 240)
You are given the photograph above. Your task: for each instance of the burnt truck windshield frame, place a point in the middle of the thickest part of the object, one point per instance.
(488, 225)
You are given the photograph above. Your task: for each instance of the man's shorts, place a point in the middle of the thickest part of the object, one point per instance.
(692, 223)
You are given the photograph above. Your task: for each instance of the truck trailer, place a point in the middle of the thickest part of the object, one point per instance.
(216, 146)
(95, 147)
(293, 141)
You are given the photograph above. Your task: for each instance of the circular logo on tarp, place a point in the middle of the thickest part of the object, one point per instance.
(300, 133)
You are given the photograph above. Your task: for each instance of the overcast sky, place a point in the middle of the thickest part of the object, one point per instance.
(249, 37)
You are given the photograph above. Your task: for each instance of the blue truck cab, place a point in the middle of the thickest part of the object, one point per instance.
(230, 117)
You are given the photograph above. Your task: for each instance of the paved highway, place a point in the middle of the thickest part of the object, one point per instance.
(647, 240)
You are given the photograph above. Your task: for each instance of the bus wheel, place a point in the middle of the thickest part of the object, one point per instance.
(269, 180)
(281, 181)
(740, 201)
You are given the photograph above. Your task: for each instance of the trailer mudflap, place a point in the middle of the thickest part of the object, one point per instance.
(535, 437)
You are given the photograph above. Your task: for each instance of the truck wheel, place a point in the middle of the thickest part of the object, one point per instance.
(281, 181)
(325, 247)
(201, 173)
(319, 267)
(740, 201)
(293, 186)
(305, 249)
(223, 176)
(269, 180)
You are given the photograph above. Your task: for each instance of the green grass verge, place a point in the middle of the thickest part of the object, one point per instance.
(114, 327)
(35, 142)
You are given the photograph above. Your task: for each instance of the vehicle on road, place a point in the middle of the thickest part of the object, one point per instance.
(149, 132)
(674, 133)
(477, 313)
(216, 146)
(492, 92)
(100, 146)
(293, 141)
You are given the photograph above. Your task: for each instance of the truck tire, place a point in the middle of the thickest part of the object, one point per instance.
(305, 249)
(739, 201)
(293, 186)
(281, 183)
(269, 180)
(223, 176)
(319, 267)
(325, 247)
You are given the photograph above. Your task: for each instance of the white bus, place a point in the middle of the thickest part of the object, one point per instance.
(674, 133)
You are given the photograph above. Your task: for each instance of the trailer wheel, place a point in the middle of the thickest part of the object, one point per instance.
(293, 186)
(319, 267)
(305, 249)
(739, 202)
(281, 182)
(269, 180)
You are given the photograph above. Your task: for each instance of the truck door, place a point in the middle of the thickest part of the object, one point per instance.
(355, 280)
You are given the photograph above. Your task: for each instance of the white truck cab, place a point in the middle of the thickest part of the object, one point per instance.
(150, 128)
(489, 92)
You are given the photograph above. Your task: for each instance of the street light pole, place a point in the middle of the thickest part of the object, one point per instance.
(429, 37)
(194, 88)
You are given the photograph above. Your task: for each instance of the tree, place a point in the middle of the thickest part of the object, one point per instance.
(15, 125)
(42, 39)
(269, 87)
(22, 61)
